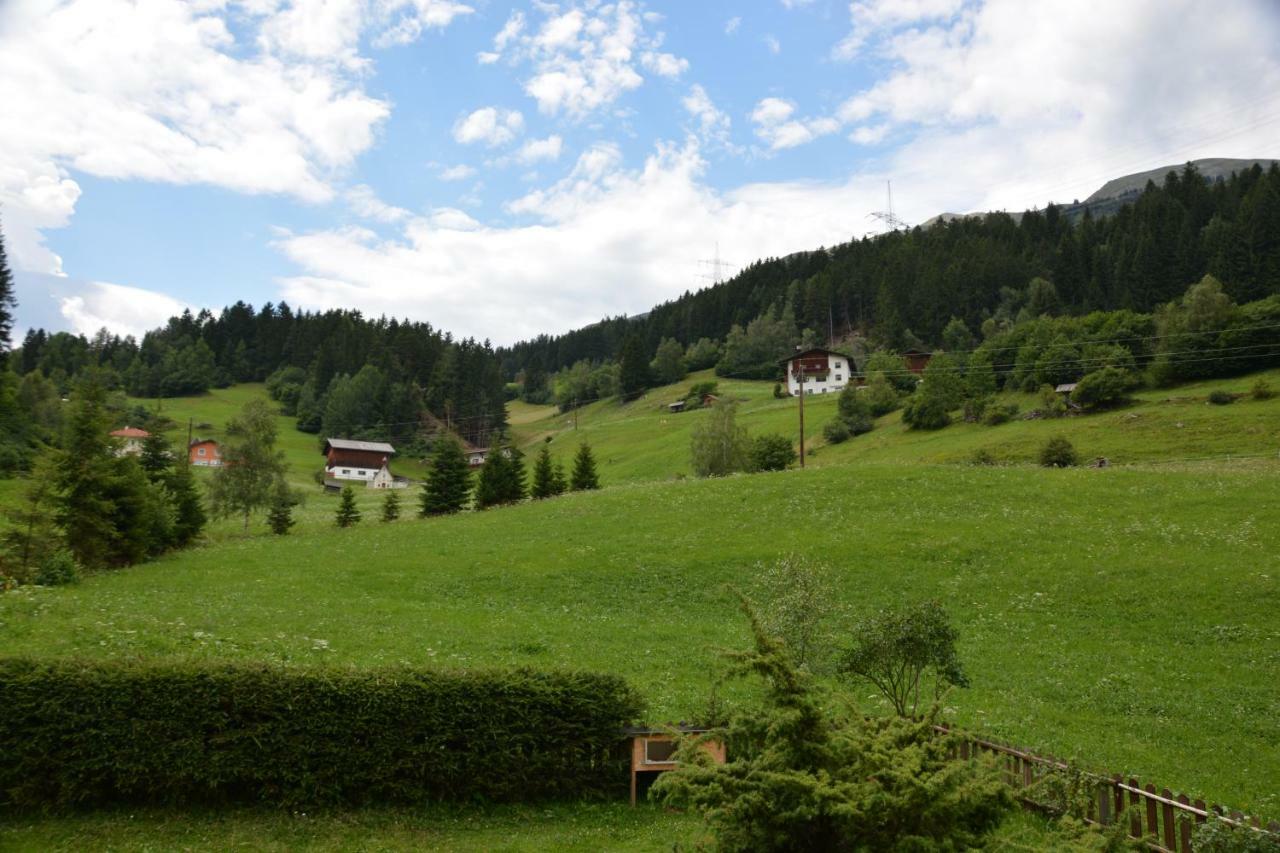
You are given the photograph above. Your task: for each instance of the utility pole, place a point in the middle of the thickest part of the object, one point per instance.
(801, 375)
(186, 457)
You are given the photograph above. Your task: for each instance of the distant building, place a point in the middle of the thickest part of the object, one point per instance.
(205, 452)
(917, 360)
(130, 440)
(346, 459)
(476, 455)
(677, 406)
(1066, 388)
(823, 370)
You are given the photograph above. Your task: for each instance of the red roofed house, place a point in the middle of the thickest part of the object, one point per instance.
(346, 459)
(205, 452)
(130, 440)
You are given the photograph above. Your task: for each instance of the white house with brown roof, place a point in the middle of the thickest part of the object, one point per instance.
(129, 440)
(824, 371)
(348, 459)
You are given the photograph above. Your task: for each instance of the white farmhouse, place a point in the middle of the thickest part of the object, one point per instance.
(346, 459)
(824, 371)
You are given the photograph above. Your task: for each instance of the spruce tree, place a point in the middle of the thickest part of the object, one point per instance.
(7, 304)
(633, 373)
(156, 456)
(584, 470)
(448, 481)
(515, 488)
(543, 473)
(85, 478)
(489, 485)
(391, 506)
(558, 482)
(280, 514)
(188, 506)
(348, 514)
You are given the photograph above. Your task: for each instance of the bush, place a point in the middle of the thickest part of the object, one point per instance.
(803, 777)
(881, 396)
(1221, 398)
(718, 445)
(772, 453)
(1262, 390)
(91, 733)
(1052, 404)
(925, 411)
(1106, 387)
(836, 432)
(855, 411)
(982, 456)
(57, 569)
(1218, 836)
(997, 414)
(1058, 453)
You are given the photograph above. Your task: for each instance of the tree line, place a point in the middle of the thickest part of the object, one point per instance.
(903, 289)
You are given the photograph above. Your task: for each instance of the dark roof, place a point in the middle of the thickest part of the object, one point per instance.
(349, 444)
(198, 440)
(814, 351)
(915, 351)
(683, 728)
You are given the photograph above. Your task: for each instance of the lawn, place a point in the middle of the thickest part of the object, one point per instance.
(1125, 616)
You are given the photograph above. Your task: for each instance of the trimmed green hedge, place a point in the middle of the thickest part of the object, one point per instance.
(96, 732)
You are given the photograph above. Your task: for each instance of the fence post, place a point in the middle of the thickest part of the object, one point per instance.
(1135, 815)
(1184, 828)
(1166, 816)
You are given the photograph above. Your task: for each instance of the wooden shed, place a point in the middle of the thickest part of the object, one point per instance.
(653, 750)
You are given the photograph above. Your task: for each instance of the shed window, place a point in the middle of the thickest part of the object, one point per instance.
(659, 751)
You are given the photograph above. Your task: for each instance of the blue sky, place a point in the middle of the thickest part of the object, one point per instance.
(502, 169)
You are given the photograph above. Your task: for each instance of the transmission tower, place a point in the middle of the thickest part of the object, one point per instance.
(887, 216)
(718, 267)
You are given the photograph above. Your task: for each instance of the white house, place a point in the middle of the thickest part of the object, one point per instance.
(346, 459)
(129, 440)
(825, 371)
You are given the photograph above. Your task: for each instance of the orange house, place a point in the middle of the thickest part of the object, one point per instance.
(205, 453)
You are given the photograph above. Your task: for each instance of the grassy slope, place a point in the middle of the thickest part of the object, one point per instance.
(1126, 616)
(643, 441)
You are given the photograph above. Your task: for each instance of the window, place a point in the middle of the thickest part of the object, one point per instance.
(200, 451)
(838, 364)
(839, 377)
(346, 470)
(659, 751)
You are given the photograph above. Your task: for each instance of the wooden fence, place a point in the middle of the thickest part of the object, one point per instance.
(1163, 821)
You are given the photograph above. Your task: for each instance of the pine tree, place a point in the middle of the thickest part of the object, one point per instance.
(280, 514)
(348, 513)
(7, 304)
(156, 456)
(515, 488)
(489, 486)
(633, 376)
(584, 470)
(543, 473)
(449, 480)
(84, 478)
(391, 506)
(558, 482)
(188, 508)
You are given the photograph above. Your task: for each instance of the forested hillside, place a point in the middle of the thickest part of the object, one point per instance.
(903, 288)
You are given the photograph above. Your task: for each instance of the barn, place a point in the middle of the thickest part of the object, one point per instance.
(347, 459)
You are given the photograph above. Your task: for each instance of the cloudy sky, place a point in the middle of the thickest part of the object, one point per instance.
(502, 169)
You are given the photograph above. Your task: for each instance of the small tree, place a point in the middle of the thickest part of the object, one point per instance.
(633, 373)
(189, 516)
(900, 650)
(719, 446)
(1058, 453)
(391, 506)
(925, 410)
(835, 431)
(668, 365)
(802, 777)
(797, 602)
(1101, 388)
(544, 473)
(559, 485)
(156, 456)
(772, 453)
(348, 514)
(584, 476)
(882, 398)
(251, 464)
(280, 513)
(448, 481)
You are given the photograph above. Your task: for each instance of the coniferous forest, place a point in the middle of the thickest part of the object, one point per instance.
(903, 288)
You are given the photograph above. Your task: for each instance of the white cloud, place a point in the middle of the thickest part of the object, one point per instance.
(873, 18)
(364, 201)
(776, 127)
(712, 123)
(535, 150)
(731, 25)
(664, 64)
(771, 42)
(585, 55)
(459, 172)
(123, 310)
(604, 240)
(166, 91)
(489, 125)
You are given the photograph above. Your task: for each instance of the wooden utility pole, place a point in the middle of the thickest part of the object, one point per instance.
(186, 457)
(801, 380)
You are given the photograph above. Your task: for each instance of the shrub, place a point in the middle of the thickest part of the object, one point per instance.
(802, 777)
(104, 732)
(855, 411)
(698, 390)
(718, 445)
(881, 396)
(778, 393)
(982, 456)
(835, 431)
(1218, 836)
(1052, 404)
(897, 650)
(772, 453)
(1106, 387)
(57, 569)
(925, 411)
(999, 414)
(1058, 453)
(1221, 398)
(975, 408)
(1262, 390)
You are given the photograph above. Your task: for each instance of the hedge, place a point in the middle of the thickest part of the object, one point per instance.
(80, 733)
